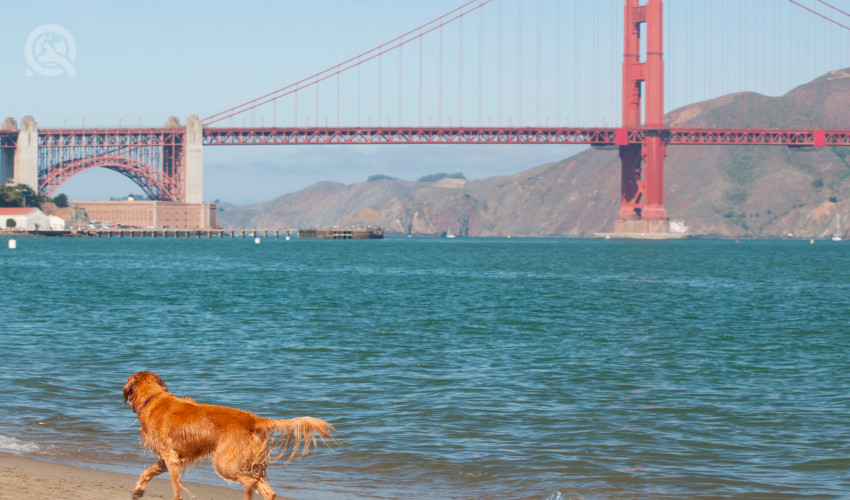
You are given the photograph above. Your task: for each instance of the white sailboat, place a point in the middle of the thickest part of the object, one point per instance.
(837, 235)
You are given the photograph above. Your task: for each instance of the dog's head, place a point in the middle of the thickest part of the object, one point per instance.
(142, 383)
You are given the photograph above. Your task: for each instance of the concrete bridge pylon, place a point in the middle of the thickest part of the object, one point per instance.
(193, 160)
(25, 162)
(7, 155)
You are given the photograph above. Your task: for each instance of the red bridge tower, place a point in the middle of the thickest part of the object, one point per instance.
(642, 189)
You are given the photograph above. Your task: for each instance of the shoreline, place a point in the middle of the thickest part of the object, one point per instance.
(25, 477)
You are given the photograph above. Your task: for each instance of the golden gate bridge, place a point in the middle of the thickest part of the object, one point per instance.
(167, 162)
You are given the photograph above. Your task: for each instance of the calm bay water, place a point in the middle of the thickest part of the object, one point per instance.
(460, 368)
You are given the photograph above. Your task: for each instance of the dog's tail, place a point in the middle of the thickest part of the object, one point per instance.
(291, 434)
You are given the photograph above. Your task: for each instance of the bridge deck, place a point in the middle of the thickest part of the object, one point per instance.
(220, 136)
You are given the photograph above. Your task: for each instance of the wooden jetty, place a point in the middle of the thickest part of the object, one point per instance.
(184, 233)
(342, 234)
(125, 232)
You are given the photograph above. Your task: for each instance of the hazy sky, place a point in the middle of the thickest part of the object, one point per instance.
(528, 62)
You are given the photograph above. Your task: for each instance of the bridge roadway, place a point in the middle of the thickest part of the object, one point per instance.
(128, 138)
(598, 136)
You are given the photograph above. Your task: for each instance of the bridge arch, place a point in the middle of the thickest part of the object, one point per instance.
(155, 184)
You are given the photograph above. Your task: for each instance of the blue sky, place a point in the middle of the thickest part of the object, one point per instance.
(143, 62)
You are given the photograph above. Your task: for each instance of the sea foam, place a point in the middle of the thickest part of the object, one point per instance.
(14, 444)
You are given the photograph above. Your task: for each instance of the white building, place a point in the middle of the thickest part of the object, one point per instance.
(26, 218)
(59, 223)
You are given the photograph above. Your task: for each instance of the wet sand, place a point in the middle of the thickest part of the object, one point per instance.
(23, 478)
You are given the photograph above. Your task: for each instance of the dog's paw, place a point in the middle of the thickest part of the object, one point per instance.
(138, 494)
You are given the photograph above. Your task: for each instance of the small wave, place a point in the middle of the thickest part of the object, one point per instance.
(14, 444)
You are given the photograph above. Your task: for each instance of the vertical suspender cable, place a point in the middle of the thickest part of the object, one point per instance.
(670, 86)
(399, 85)
(775, 23)
(738, 83)
(613, 57)
(595, 43)
(499, 65)
(727, 63)
(358, 94)
(460, 75)
(380, 82)
(440, 115)
(519, 64)
(480, 66)
(811, 41)
(338, 104)
(420, 79)
(758, 57)
(832, 84)
(539, 57)
(557, 121)
(792, 63)
(705, 61)
(576, 61)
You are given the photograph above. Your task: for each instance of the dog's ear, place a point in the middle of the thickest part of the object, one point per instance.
(129, 386)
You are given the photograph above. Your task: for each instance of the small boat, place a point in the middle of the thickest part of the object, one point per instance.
(837, 235)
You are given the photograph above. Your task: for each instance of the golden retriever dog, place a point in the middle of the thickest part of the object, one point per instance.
(180, 432)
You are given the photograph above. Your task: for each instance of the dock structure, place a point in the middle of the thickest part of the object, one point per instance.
(341, 234)
(126, 232)
(183, 233)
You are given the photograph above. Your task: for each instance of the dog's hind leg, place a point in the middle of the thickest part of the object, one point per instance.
(249, 472)
(265, 489)
(148, 474)
(175, 468)
(246, 479)
(261, 485)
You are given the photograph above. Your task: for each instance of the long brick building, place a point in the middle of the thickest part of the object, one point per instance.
(147, 214)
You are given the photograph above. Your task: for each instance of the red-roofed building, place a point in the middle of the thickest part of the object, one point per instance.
(26, 218)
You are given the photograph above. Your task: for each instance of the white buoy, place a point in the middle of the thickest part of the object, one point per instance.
(257, 241)
(13, 244)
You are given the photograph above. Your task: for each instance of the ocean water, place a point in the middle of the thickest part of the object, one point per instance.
(464, 368)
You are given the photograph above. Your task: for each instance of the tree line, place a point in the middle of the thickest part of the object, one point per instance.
(22, 195)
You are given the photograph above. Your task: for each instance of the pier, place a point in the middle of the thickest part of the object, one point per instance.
(154, 233)
(183, 233)
(125, 232)
(341, 234)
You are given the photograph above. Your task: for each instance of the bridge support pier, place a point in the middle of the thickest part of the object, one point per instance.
(26, 155)
(7, 155)
(193, 160)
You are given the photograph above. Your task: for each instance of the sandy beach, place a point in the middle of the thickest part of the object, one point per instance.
(23, 478)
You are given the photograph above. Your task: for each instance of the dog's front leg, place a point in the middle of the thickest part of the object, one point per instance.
(149, 473)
